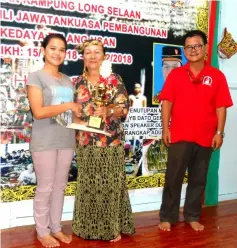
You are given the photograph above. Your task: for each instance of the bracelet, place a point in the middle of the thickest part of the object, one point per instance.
(221, 133)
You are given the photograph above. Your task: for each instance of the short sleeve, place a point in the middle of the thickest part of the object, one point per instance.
(168, 90)
(34, 80)
(223, 98)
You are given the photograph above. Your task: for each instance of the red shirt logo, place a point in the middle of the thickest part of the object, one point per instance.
(207, 80)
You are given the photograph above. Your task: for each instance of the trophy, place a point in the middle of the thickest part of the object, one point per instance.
(99, 100)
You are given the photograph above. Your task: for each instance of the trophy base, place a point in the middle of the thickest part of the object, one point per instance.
(95, 122)
(80, 127)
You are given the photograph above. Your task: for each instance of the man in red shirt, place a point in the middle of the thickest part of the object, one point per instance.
(194, 97)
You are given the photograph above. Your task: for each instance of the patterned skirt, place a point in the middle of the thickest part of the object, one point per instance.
(102, 208)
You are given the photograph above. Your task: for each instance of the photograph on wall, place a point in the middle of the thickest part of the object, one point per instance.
(16, 165)
(18, 178)
(15, 116)
(130, 35)
(166, 58)
(155, 157)
(15, 159)
(133, 157)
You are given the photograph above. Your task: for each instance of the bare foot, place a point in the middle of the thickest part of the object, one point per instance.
(65, 238)
(48, 241)
(196, 226)
(116, 239)
(165, 226)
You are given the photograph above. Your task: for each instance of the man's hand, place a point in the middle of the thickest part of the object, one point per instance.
(166, 136)
(217, 141)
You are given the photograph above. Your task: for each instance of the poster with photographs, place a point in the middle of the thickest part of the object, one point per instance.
(134, 33)
(16, 165)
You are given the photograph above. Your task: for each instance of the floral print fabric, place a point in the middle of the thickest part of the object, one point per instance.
(116, 94)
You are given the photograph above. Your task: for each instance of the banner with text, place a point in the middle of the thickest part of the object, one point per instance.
(139, 36)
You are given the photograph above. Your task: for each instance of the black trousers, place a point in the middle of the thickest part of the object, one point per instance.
(182, 156)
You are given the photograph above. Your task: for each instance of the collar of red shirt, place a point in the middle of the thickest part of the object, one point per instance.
(200, 76)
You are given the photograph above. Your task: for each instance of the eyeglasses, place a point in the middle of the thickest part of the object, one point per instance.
(194, 47)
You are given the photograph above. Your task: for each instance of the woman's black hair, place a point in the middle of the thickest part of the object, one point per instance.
(49, 37)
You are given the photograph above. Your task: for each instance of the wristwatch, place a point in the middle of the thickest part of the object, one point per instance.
(221, 133)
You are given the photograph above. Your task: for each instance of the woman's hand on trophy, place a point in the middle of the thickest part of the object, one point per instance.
(76, 108)
(101, 111)
(115, 110)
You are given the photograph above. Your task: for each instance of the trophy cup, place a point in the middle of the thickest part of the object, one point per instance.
(99, 100)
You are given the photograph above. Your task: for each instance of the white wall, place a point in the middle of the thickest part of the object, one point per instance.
(20, 213)
(228, 156)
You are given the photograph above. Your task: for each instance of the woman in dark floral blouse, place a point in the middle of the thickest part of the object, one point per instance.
(102, 208)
